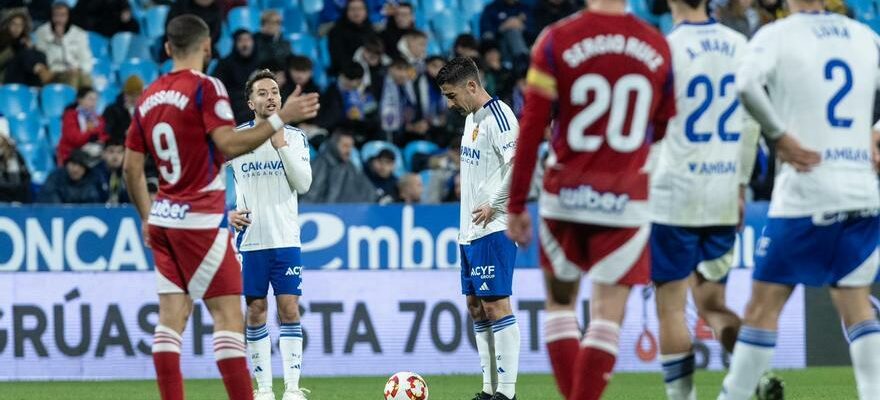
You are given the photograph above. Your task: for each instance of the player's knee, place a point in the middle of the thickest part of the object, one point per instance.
(496, 308)
(761, 315)
(257, 307)
(289, 311)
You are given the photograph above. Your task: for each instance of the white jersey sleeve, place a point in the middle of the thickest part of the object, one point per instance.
(266, 184)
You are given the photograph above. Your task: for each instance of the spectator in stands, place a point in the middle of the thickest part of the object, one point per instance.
(371, 56)
(348, 34)
(81, 126)
(410, 189)
(402, 120)
(72, 183)
(107, 17)
(432, 101)
(334, 9)
(117, 116)
(20, 62)
(334, 178)
(453, 190)
(15, 180)
(271, 46)
(380, 171)
(413, 47)
(738, 15)
(506, 21)
(347, 104)
(66, 47)
(466, 45)
(113, 191)
(39, 10)
(228, 5)
(400, 22)
(547, 12)
(208, 10)
(497, 79)
(444, 167)
(299, 72)
(234, 71)
(518, 97)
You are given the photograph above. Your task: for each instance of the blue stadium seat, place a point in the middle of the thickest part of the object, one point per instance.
(469, 8)
(373, 147)
(276, 4)
(107, 96)
(432, 7)
(99, 45)
(304, 44)
(102, 75)
(16, 99)
(446, 27)
(211, 67)
(147, 70)
(119, 45)
(324, 50)
(54, 131)
(154, 21)
(166, 66)
(243, 18)
(475, 24)
(356, 159)
(319, 75)
(38, 159)
(666, 23)
(417, 147)
(421, 21)
(224, 45)
(54, 98)
(312, 6)
(25, 128)
(434, 47)
(295, 21)
(640, 9)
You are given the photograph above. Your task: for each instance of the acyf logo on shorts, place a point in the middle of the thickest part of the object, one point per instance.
(484, 272)
(294, 271)
(585, 197)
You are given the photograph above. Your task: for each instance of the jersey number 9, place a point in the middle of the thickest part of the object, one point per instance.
(165, 145)
(616, 101)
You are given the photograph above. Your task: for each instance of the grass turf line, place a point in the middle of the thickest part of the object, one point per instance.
(808, 384)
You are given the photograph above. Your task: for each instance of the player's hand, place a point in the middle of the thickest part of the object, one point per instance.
(875, 149)
(789, 150)
(239, 219)
(519, 228)
(742, 208)
(483, 215)
(299, 106)
(145, 232)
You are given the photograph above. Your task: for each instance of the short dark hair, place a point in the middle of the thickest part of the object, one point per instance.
(185, 32)
(374, 44)
(457, 71)
(114, 141)
(299, 63)
(466, 40)
(399, 62)
(415, 33)
(258, 75)
(83, 92)
(353, 71)
(405, 4)
(693, 3)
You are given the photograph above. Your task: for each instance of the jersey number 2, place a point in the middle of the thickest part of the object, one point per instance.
(166, 150)
(616, 100)
(833, 119)
(723, 134)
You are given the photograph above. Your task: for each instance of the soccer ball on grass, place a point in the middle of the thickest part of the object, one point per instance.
(406, 386)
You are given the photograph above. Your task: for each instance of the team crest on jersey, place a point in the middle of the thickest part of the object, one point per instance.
(475, 133)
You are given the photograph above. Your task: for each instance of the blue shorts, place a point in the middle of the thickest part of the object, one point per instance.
(677, 251)
(487, 266)
(837, 249)
(282, 267)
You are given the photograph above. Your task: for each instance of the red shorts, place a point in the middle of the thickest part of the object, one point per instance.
(608, 255)
(199, 262)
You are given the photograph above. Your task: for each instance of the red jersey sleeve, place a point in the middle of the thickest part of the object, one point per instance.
(135, 139)
(539, 97)
(666, 108)
(216, 110)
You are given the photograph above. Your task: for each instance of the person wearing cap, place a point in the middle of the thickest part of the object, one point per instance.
(117, 116)
(73, 183)
(380, 170)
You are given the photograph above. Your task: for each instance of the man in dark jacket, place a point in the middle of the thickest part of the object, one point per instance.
(106, 17)
(348, 105)
(73, 183)
(506, 21)
(208, 10)
(380, 171)
(335, 179)
(234, 71)
(15, 180)
(271, 47)
(113, 191)
(117, 116)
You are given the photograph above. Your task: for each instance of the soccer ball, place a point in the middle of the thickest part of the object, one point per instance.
(406, 386)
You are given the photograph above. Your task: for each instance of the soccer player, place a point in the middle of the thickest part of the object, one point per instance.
(267, 182)
(698, 187)
(487, 255)
(609, 78)
(821, 72)
(185, 122)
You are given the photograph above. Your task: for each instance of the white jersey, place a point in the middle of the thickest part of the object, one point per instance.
(487, 148)
(821, 71)
(697, 171)
(267, 182)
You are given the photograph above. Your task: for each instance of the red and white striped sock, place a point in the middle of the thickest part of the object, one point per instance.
(166, 359)
(230, 353)
(562, 335)
(595, 361)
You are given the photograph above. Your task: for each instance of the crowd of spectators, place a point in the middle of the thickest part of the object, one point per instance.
(381, 87)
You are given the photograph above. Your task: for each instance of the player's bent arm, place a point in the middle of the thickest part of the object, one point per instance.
(233, 144)
(296, 168)
(536, 117)
(749, 142)
(498, 200)
(136, 182)
(756, 101)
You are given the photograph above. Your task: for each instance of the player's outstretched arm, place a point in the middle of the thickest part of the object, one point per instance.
(298, 107)
(136, 184)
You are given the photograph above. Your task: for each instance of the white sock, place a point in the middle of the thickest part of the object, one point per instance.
(259, 347)
(864, 348)
(678, 373)
(228, 344)
(483, 335)
(506, 332)
(166, 339)
(291, 345)
(751, 359)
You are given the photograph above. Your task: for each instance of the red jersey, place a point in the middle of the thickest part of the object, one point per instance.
(610, 78)
(172, 122)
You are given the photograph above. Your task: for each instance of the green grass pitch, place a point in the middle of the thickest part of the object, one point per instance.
(812, 383)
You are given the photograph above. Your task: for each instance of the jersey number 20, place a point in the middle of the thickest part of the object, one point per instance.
(616, 101)
(166, 150)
